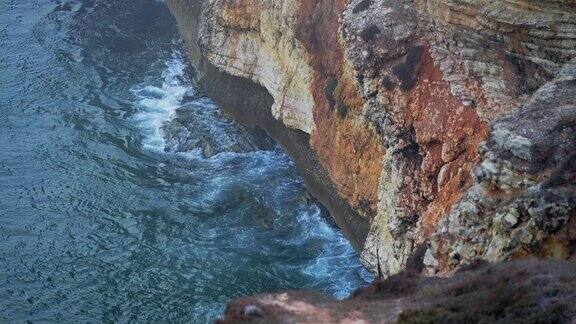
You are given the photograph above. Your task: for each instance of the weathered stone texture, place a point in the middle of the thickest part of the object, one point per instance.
(448, 123)
(255, 39)
(523, 200)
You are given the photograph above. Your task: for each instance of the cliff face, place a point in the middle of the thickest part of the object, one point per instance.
(439, 78)
(291, 48)
(447, 126)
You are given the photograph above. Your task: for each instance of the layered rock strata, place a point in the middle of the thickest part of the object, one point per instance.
(444, 128)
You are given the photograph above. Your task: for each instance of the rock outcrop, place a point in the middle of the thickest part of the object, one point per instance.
(444, 128)
(437, 78)
(523, 199)
(521, 292)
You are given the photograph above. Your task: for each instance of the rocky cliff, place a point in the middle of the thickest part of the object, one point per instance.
(441, 128)
(440, 134)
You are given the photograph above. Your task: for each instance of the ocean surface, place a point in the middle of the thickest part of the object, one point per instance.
(125, 194)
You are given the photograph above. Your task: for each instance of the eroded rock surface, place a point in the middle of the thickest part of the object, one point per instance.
(523, 199)
(448, 126)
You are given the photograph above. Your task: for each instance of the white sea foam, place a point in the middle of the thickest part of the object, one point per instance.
(158, 104)
(333, 266)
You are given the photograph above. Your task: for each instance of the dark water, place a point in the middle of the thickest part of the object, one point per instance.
(125, 196)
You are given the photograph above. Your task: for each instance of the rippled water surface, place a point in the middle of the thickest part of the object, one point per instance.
(125, 195)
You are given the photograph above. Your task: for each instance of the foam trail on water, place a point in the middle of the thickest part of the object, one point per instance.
(333, 267)
(157, 104)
